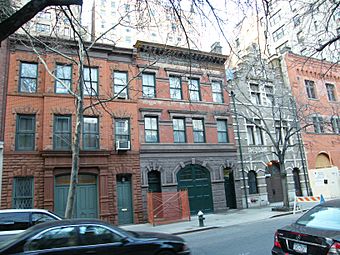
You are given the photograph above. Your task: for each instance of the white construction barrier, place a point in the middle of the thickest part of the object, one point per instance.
(305, 203)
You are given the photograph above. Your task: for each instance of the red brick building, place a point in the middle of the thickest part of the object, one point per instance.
(185, 126)
(40, 119)
(316, 87)
(3, 81)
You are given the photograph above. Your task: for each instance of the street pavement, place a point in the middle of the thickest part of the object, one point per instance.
(216, 220)
(252, 238)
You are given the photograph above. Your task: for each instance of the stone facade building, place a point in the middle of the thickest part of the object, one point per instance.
(266, 118)
(185, 128)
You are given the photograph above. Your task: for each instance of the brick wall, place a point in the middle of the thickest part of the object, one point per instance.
(321, 72)
(3, 83)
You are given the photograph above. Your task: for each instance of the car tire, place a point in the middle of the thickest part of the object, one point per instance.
(166, 252)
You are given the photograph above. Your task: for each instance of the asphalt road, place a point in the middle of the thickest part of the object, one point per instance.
(243, 239)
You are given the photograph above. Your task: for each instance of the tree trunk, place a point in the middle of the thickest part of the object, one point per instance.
(77, 134)
(283, 174)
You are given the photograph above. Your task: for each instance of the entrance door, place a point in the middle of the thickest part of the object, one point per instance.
(297, 183)
(124, 196)
(86, 196)
(229, 188)
(196, 179)
(274, 186)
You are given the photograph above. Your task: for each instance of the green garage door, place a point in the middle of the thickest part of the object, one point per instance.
(196, 179)
(86, 196)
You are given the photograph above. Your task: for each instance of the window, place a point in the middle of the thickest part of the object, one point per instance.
(278, 34)
(64, 74)
(120, 80)
(179, 130)
(151, 130)
(330, 92)
(281, 130)
(14, 220)
(55, 238)
(62, 132)
(42, 28)
(252, 182)
(296, 20)
(175, 87)
(198, 129)
(91, 133)
(38, 217)
(310, 88)
(25, 133)
(300, 37)
(28, 77)
(149, 85)
(254, 132)
(90, 81)
(222, 131)
(122, 130)
(92, 235)
(194, 90)
(44, 15)
(269, 94)
(67, 31)
(255, 93)
(23, 192)
(217, 91)
(335, 124)
(318, 124)
(275, 18)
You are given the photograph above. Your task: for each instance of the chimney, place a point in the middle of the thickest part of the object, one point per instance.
(216, 48)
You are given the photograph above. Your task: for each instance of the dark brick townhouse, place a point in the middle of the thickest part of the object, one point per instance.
(185, 129)
(40, 118)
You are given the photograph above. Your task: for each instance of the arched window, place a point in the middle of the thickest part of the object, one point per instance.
(323, 161)
(252, 182)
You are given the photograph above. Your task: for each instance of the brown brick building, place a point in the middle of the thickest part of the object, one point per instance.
(315, 85)
(40, 118)
(185, 126)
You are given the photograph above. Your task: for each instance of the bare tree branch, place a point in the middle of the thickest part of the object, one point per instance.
(27, 12)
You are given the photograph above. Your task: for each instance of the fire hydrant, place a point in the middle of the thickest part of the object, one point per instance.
(200, 218)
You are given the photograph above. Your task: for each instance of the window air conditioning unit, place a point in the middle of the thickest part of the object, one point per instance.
(122, 145)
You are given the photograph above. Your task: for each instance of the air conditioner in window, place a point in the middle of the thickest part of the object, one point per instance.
(122, 145)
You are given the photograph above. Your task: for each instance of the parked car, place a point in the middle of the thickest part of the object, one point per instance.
(15, 221)
(317, 232)
(81, 236)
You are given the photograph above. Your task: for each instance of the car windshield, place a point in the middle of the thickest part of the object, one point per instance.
(321, 217)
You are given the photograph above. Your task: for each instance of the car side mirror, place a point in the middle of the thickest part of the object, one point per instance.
(125, 240)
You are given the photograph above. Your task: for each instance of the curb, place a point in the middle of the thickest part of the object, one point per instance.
(193, 230)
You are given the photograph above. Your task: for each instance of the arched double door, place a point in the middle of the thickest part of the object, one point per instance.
(196, 179)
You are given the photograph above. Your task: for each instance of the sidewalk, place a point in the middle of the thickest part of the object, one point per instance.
(229, 218)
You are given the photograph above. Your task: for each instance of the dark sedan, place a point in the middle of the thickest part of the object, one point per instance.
(91, 237)
(317, 232)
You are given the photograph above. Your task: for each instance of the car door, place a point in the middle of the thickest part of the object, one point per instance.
(58, 240)
(98, 239)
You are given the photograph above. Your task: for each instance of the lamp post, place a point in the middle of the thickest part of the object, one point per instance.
(240, 147)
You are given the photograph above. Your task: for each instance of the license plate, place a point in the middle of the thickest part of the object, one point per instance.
(301, 248)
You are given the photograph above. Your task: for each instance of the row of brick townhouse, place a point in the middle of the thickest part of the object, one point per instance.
(168, 130)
